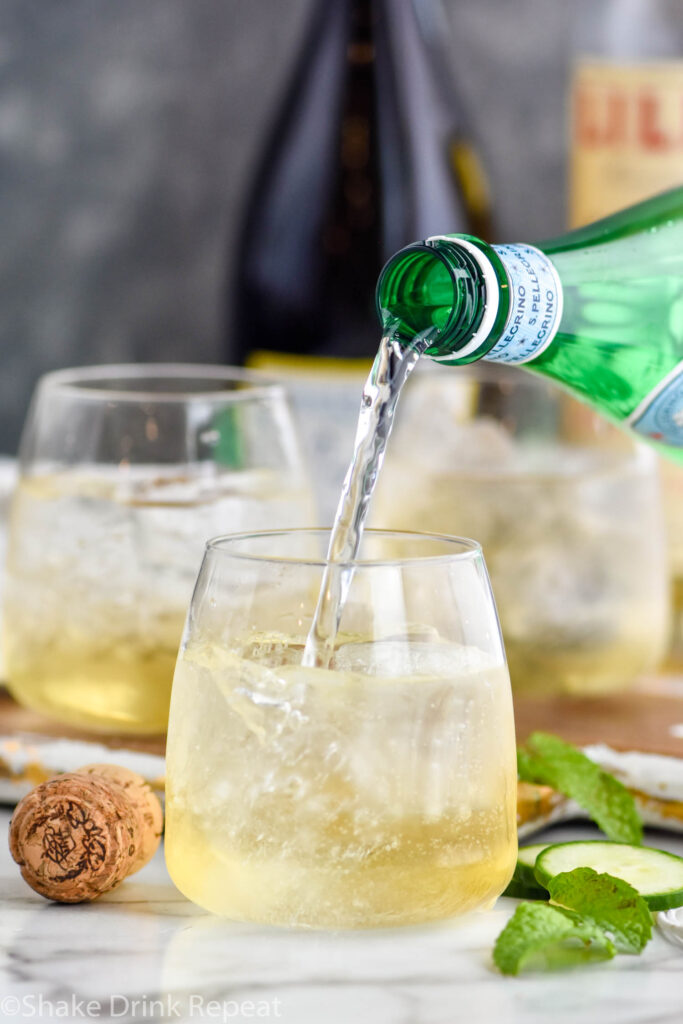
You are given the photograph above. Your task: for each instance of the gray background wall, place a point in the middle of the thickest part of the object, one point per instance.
(127, 133)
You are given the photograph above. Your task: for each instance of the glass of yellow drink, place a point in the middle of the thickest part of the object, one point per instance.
(568, 512)
(125, 472)
(377, 790)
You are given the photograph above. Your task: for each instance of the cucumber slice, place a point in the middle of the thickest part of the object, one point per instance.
(523, 884)
(655, 874)
(526, 855)
(518, 891)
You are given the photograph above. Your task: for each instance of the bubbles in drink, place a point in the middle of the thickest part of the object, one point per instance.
(376, 791)
(100, 575)
(569, 534)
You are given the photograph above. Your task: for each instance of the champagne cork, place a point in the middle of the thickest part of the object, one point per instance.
(80, 834)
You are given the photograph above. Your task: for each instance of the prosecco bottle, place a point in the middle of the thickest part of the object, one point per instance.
(369, 150)
(599, 310)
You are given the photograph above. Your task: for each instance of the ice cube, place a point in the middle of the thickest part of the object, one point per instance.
(408, 657)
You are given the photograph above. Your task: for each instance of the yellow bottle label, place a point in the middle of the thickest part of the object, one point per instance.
(471, 176)
(626, 135)
(285, 363)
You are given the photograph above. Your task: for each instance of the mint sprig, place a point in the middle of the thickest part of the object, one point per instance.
(609, 903)
(548, 760)
(592, 917)
(542, 937)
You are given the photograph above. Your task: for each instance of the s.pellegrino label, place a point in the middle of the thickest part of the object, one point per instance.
(535, 304)
(659, 417)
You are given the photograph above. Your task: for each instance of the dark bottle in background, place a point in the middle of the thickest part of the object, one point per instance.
(368, 152)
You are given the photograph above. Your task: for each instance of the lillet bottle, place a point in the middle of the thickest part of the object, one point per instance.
(599, 310)
(368, 150)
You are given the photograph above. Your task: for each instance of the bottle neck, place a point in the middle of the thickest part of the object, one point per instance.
(502, 303)
(453, 285)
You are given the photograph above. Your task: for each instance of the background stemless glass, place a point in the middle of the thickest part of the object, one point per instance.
(125, 472)
(566, 508)
(378, 791)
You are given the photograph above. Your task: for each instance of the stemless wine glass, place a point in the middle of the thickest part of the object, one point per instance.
(378, 790)
(7, 481)
(125, 472)
(566, 508)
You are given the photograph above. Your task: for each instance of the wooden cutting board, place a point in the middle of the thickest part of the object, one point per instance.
(16, 720)
(33, 748)
(649, 719)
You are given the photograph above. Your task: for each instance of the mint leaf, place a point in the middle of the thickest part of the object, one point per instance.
(526, 765)
(548, 760)
(608, 902)
(541, 937)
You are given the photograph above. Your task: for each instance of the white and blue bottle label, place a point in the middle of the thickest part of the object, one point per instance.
(535, 304)
(659, 417)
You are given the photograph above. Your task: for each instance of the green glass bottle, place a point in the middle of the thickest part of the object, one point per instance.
(599, 310)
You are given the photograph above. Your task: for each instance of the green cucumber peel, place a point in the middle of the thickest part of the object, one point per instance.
(523, 885)
(656, 875)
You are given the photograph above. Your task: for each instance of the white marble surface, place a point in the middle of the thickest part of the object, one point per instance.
(145, 942)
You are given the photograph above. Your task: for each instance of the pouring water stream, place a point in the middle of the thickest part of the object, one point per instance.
(392, 366)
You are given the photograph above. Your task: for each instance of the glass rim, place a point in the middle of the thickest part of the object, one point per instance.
(470, 549)
(75, 381)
